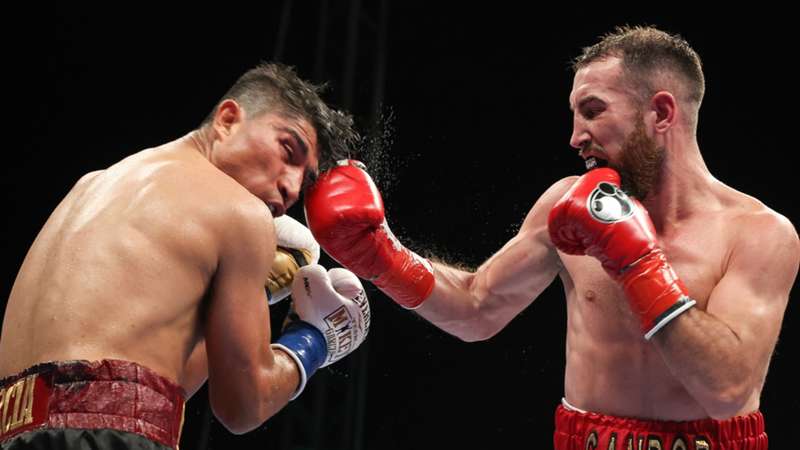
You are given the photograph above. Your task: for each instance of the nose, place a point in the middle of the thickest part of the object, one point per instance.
(580, 135)
(289, 186)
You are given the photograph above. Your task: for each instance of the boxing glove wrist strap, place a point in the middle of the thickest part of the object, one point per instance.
(410, 284)
(410, 280)
(410, 287)
(306, 346)
(654, 291)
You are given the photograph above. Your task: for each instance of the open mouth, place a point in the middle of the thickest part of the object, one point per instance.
(594, 163)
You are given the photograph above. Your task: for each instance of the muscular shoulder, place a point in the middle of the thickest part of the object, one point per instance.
(87, 178)
(768, 229)
(195, 187)
(764, 241)
(558, 189)
(236, 218)
(750, 217)
(240, 227)
(248, 220)
(186, 197)
(537, 216)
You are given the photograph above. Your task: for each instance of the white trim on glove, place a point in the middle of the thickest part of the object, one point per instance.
(302, 370)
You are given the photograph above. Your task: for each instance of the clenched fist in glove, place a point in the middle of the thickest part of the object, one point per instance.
(334, 319)
(596, 218)
(344, 212)
(296, 248)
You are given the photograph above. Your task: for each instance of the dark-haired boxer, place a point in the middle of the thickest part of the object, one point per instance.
(149, 278)
(675, 283)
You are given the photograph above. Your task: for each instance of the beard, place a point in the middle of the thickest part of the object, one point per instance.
(641, 162)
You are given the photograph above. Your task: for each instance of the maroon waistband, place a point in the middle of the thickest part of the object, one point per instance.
(115, 394)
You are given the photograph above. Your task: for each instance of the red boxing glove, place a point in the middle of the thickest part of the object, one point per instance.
(344, 212)
(596, 218)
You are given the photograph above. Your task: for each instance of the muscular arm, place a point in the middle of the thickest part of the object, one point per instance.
(721, 354)
(248, 381)
(475, 306)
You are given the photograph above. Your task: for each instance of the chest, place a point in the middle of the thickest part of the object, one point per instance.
(698, 253)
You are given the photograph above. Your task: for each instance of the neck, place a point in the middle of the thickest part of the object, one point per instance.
(683, 188)
(200, 140)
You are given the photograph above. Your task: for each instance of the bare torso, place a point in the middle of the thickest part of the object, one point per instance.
(610, 367)
(122, 266)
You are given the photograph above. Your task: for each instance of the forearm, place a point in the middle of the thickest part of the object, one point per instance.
(284, 378)
(709, 359)
(272, 382)
(476, 306)
(453, 306)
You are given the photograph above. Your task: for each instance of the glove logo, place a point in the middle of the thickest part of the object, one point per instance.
(608, 204)
(340, 336)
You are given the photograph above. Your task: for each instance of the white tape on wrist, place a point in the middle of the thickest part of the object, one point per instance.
(300, 369)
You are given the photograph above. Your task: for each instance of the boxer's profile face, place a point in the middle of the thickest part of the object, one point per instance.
(608, 126)
(272, 155)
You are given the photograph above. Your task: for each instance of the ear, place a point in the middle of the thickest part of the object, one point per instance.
(227, 117)
(665, 109)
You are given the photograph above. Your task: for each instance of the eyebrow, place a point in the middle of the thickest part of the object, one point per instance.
(586, 100)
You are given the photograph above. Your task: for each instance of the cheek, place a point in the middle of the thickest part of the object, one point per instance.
(620, 131)
(270, 159)
(609, 137)
(269, 165)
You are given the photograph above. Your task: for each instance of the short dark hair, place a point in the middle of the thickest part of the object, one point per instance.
(274, 87)
(646, 51)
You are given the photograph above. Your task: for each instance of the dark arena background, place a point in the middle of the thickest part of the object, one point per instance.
(465, 110)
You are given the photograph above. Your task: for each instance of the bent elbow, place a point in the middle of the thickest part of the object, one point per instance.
(729, 403)
(470, 338)
(237, 429)
(235, 422)
(236, 417)
(478, 330)
(723, 412)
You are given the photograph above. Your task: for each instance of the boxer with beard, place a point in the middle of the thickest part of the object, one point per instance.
(675, 283)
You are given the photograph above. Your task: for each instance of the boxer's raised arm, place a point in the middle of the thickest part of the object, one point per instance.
(248, 381)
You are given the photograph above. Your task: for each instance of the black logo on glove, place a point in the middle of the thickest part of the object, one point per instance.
(608, 204)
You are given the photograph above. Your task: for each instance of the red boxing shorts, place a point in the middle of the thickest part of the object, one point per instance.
(107, 394)
(589, 431)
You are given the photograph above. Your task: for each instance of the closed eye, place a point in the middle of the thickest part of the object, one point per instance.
(287, 147)
(294, 141)
(591, 107)
(592, 112)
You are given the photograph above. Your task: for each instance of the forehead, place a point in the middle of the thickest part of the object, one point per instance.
(601, 79)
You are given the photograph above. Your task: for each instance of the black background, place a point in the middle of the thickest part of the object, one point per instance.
(476, 128)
